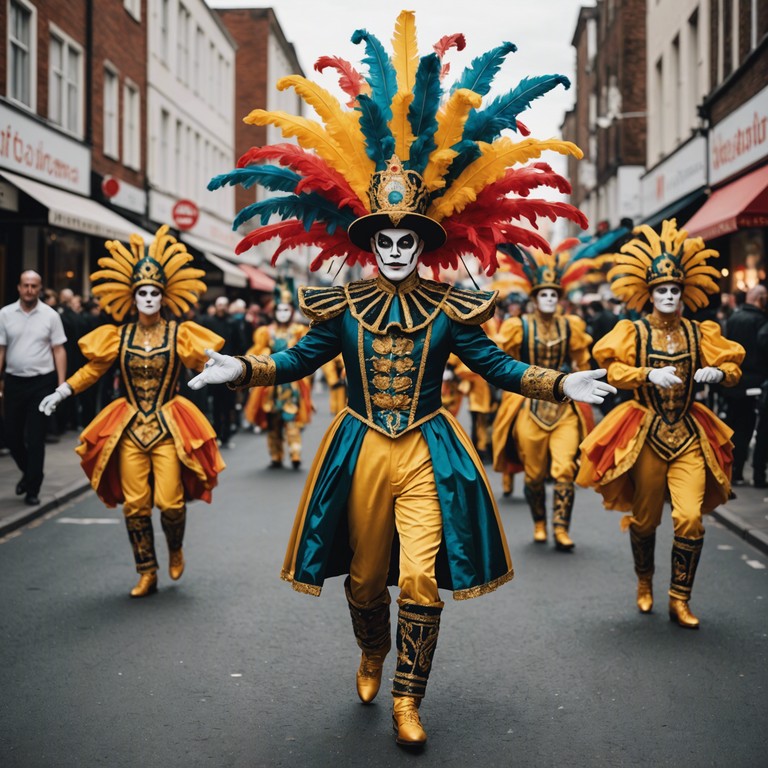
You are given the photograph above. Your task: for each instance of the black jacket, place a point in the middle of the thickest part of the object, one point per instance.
(744, 326)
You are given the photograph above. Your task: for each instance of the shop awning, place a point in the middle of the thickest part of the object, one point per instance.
(742, 203)
(673, 210)
(258, 280)
(80, 214)
(232, 274)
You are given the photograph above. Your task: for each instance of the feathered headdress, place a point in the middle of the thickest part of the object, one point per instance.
(406, 156)
(163, 266)
(541, 269)
(671, 257)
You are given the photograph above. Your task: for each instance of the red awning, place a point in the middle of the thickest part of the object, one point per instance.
(742, 203)
(258, 280)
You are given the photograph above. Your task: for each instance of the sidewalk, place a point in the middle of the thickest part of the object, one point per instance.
(747, 514)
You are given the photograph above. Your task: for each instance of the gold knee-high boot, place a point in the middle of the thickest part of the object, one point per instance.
(417, 630)
(685, 560)
(370, 623)
(562, 510)
(643, 548)
(536, 498)
(142, 538)
(173, 527)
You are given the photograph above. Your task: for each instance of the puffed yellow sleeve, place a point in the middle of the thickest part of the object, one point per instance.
(191, 342)
(719, 352)
(100, 347)
(261, 342)
(616, 353)
(580, 343)
(510, 336)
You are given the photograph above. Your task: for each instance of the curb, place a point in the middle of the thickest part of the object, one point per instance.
(25, 516)
(753, 536)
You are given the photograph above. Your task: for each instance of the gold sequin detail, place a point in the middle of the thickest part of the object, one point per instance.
(539, 383)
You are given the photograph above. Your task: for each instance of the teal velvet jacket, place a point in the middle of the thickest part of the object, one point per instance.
(395, 341)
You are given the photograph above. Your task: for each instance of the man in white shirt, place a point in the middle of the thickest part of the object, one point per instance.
(33, 362)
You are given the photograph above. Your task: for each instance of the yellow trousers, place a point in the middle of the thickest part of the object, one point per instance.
(281, 432)
(136, 465)
(394, 489)
(541, 451)
(684, 478)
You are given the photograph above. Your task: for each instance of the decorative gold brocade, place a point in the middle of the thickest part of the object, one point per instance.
(263, 370)
(547, 347)
(540, 383)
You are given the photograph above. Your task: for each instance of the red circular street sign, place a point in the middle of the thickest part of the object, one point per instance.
(185, 214)
(110, 186)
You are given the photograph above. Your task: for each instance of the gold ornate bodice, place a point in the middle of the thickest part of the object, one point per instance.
(662, 342)
(546, 344)
(150, 369)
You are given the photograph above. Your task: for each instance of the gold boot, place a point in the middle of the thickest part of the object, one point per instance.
(535, 496)
(681, 613)
(369, 675)
(539, 531)
(174, 523)
(507, 484)
(175, 563)
(406, 722)
(563, 542)
(645, 592)
(146, 585)
(562, 509)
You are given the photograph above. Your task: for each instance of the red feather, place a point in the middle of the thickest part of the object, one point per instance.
(523, 128)
(350, 80)
(567, 244)
(577, 272)
(446, 42)
(521, 181)
(262, 234)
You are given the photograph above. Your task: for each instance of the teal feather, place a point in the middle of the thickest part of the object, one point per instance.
(272, 177)
(487, 124)
(468, 152)
(379, 141)
(423, 110)
(381, 73)
(522, 257)
(478, 76)
(306, 208)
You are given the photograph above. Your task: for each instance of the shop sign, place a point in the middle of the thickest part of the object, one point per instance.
(677, 176)
(740, 140)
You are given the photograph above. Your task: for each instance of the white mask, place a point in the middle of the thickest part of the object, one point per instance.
(666, 298)
(546, 300)
(283, 313)
(397, 252)
(148, 299)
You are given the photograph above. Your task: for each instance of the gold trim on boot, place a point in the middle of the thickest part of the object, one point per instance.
(645, 592)
(173, 524)
(563, 495)
(147, 584)
(540, 532)
(406, 722)
(681, 613)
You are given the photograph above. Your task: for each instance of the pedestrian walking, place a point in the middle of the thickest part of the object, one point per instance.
(34, 362)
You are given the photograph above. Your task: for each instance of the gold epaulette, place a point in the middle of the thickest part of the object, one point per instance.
(319, 303)
(468, 306)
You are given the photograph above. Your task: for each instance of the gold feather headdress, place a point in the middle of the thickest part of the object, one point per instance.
(669, 257)
(163, 266)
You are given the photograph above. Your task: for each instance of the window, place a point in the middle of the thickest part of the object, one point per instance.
(182, 45)
(131, 126)
(111, 85)
(677, 91)
(197, 78)
(164, 34)
(165, 143)
(658, 110)
(134, 8)
(65, 87)
(178, 159)
(696, 88)
(21, 54)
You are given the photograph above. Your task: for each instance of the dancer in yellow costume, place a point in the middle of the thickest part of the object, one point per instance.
(663, 442)
(282, 410)
(150, 447)
(336, 379)
(543, 438)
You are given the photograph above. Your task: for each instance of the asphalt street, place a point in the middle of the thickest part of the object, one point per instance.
(231, 667)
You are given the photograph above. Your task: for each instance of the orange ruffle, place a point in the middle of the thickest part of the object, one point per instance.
(612, 436)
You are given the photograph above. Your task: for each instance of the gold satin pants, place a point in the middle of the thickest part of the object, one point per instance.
(163, 463)
(394, 489)
(543, 452)
(280, 432)
(684, 477)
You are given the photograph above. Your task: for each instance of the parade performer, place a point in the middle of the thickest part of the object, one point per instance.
(151, 446)
(397, 493)
(663, 442)
(538, 437)
(336, 379)
(281, 410)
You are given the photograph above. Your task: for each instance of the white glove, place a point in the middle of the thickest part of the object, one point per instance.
(219, 369)
(585, 386)
(49, 402)
(664, 377)
(708, 375)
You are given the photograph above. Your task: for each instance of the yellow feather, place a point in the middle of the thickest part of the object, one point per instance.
(343, 130)
(111, 274)
(653, 239)
(405, 58)
(490, 166)
(638, 249)
(400, 126)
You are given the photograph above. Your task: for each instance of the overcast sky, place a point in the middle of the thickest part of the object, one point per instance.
(541, 29)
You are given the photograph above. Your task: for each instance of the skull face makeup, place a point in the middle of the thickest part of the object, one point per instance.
(397, 252)
(283, 313)
(666, 297)
(148, 299)
(546, 300)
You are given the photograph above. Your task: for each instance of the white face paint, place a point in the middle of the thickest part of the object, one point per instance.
(283, 313)
(546, 300)
(148, 299)
(666, 298)
(397, 252)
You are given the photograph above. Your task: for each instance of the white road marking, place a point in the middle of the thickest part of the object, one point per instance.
(756, 564)
(88, 521)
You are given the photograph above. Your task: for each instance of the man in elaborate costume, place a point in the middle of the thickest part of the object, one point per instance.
(543, 438)
(151, 432)
(397, 493)
(282, 410)
(663, 442)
